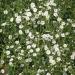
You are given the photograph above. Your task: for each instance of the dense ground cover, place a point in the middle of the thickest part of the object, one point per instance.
(37, 37)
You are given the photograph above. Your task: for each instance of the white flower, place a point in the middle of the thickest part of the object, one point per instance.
(32, 5)
(65, 45)
(20, 32)
(62, 35)
(55, 14)
(46, 47)
(28, 46)
(73, 55)
(10, 63)
(59, 19)
(5, 12)
(21, 26)
(56, 47)
(33, 45)
(8, 52)
(34, 9)
(27, 18)
(57, 35)
(45, 13)
(42, 22)
(12, 46)
(3, 24)
(52, 61)
(73, 25)
(11, 59)
(27, 31)
(0, 30)
(2, 62)
(53, 41)
(48, 52)
(28, 42)
(58, 59)
(29, 14)
(56, 10)
(30, 35)
(18, 19)
(31, 50)
(47, 37)
(16, 14)
(2, 71)
(48, 73)
(10, 37)
(62, 23)
(11, 19)
(28, 60)
(61, 26)
(37, 49)
(7, 47)
(16, 42)
(34, 54)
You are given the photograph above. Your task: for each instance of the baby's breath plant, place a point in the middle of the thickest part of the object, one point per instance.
(37, 37)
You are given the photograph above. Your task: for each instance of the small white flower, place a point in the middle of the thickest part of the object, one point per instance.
(12, 46)
(59, 19)
(56, 47)
(62, 35)
(45, 13)
(27, 18)
(73, 55)
(58, 59)
(16, 42)
(33, 45)
(2, 71)
(37, 49)
(8, 52)
(27, 31)
(34, 9)
(11, 19)
(53, 41)
(10, 63)
(3, 24)
(11, 60)
(34, 54)
(16, 14)
(52, 61)
(29, 14)
(10, 37)
(0, 30)
(2, 62)
(20, 32)
(48, 52)
(57, 35)
(7, 47)
(5, 12)
(18, 19)
(56, 10)
(21, 26)
(31, 50)
(48, 73)
(47, 37)
(42, 22)
(46, 47)
(73, 25)
(61, 26)
(32, 5)
(65, 45)
(62, 23)
(28, 46)
(55, 14)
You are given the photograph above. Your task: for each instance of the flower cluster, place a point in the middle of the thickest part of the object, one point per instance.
(37, 39)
